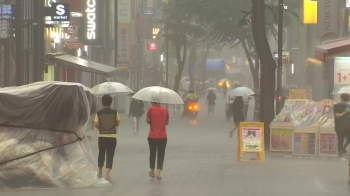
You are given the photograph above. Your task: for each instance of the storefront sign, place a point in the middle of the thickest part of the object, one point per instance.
(60, 12)
(304, 143)
(92, 24)
(297, 94)
(152, 46)
(328, 14)
(124, 11)
(148, 11)
(6, 21)
(124, 46)
(281, 139)
(328, 143)
(342, 70)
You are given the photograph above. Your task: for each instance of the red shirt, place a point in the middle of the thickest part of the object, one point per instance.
(158, 116)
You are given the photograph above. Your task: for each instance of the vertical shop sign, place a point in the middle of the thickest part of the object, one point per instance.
(124, 43)
(124, 31)
(327, 17)
(92, 22)
(342, 70)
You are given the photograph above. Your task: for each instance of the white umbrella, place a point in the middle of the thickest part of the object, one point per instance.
(224, 80)
(211, 89)
(158, 94)
(345, 89)
(111, 88)
(241, 91)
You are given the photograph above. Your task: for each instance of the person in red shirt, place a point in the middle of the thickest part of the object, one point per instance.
(158, 119)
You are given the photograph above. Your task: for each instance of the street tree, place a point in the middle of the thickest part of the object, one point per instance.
(181, 30)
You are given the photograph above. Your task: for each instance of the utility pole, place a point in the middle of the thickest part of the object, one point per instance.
(166, 56)
(115, 33)
(279, 93)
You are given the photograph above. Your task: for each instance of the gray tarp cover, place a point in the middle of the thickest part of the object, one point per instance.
(42, 136)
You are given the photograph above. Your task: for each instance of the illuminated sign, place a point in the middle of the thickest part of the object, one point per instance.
(155, 32)
(60, 12)
(91, 31)
(310, 12)
(152, 46)
(6, 14)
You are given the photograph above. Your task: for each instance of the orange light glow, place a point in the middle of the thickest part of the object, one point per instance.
(310, 12)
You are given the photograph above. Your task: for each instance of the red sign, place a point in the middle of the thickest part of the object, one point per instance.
(152, 46)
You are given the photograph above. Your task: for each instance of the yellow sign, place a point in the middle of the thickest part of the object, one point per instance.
(297, 94)
(251, 140)
(310, 12)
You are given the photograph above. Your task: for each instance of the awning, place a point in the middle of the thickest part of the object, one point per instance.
(332, 49)
(84, 65)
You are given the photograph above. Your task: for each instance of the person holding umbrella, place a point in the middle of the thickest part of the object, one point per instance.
(211, 102)
(238, 117)
(158, 119)
(136, 112)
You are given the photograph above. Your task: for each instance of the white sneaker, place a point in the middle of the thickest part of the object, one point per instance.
(343, 159)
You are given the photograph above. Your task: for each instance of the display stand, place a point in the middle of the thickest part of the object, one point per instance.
(328, 142)
(281, 139)
(305, 142)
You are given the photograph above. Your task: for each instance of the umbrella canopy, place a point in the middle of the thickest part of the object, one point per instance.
(345, 89)
(224, 80)
(241, 91)
(112, 88)
(158, 94)
(211, 89)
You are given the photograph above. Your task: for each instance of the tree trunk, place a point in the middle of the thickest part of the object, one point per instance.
(268, 66)
(192, 60)
(204, 61)
(254, 69)
(181, 64)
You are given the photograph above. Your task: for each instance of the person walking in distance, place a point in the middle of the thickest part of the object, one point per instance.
(106, 121)
(238, 117)
(136, 112)
(342, 122)
(224, 89)
(211, 102)
(158, 119)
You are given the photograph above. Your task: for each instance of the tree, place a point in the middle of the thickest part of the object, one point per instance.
(181, 29)
(268, 64)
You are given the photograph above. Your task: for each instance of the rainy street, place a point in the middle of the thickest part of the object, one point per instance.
(201, 160)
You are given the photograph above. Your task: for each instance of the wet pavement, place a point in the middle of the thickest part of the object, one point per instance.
(201, 160)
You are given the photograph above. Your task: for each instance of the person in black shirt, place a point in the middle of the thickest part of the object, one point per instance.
(136, 112)
(342, 123)
(211, 102)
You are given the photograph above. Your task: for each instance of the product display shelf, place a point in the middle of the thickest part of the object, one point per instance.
(328, 140)
(305, 141)
(281, 139)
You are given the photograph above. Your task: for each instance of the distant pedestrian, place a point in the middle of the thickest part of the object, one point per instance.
(136, 112)
(158, 119)
(211, 102)
(238, 117)
(106, 121)
(224, 89)
(342, 123)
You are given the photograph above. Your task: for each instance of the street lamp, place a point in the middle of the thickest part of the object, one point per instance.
(279, 92)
